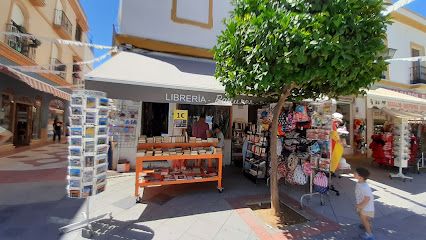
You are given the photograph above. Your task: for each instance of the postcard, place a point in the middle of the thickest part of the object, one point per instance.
(76, 131)
(91, 102)
(90, 117)
(100, 178)
(89, 132)
(74, 172)
(101, 140)
(101, 169)
(75, 141)
(103, 149)
(87, 191)
(103, 111)
(87, 176)
(101, 159)
(100, 188)
(89, 161)
(74, 161)
(76, 120)
(89, 146)
(103, 121)
(102, 130)
(103, 102)
(74, 193)
(76, 100)
(74, 151)
(75, 110)
(74, 183)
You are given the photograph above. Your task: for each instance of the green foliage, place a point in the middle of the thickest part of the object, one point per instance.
(323, 47)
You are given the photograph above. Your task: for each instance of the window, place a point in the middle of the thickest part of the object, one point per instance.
(36, 112)
(418, 70)
(78, 33)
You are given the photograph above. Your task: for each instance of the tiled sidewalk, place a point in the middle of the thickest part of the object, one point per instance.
(42, 164)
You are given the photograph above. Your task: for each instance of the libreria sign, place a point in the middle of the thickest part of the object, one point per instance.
(201, 99)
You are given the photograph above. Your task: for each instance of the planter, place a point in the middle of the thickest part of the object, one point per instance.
(123, 167)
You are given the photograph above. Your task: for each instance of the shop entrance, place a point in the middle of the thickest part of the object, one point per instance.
(23, 126)
(155, 118)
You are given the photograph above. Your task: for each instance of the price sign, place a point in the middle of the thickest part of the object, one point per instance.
(180, 115)
(180, 118)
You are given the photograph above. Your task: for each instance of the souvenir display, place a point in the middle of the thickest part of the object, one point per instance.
(88, 144)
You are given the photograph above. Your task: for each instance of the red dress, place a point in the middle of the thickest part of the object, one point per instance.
(377, 147)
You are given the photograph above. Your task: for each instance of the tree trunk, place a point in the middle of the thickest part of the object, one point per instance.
(275, 198)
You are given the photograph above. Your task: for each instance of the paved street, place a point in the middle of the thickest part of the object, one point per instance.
(34, 206)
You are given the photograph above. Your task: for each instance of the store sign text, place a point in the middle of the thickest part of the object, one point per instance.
(408, 107)
(220, 99)
(187, 98)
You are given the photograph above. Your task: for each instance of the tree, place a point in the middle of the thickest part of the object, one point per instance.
(296, 49)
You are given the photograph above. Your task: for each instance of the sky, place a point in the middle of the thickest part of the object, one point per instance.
(102, 14)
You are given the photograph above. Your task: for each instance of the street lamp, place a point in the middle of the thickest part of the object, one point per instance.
(391, 52)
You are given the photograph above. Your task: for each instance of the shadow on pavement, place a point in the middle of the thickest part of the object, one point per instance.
(123, 230)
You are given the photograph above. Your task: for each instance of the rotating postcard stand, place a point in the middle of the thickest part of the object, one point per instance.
(401, 148)
(88, 153)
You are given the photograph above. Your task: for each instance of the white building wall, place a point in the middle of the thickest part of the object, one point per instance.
(400, 37)
(152, 19)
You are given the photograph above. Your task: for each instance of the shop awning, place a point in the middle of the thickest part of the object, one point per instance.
(34, 83)
(396, 102)
(137, 77)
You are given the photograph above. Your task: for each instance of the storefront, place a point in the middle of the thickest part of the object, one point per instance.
(395, 120)
(163, 84)
(24, 107)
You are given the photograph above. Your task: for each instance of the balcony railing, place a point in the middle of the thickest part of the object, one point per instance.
(62, 21)
(23, 45)
(58, 66)
(418, 74)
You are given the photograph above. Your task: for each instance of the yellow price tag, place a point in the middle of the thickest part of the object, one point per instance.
(180, 115)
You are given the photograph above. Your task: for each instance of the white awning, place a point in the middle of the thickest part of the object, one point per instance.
(137, 69)
(396, 102)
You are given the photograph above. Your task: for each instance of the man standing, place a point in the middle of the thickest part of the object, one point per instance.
(57, 130)
(200, 128)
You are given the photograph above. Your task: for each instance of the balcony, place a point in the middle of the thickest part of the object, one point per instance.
(62, 24)
(418, 74)
(58, 66)
(23, 45)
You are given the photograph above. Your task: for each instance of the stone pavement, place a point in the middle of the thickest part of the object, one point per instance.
(36, 208)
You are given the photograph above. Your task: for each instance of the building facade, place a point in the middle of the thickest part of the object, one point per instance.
(28, 100)
(190, 27)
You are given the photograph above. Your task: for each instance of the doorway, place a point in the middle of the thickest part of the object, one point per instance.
(23, 124)
(155, 118)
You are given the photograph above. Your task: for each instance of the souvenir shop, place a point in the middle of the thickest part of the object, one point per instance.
(397, 130)
(310, 145)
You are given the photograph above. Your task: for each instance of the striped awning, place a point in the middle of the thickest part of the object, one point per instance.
(34, 83)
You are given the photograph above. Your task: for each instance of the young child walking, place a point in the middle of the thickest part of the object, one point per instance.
(364, 202)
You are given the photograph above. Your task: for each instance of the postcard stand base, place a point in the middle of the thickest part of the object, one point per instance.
(85, 225)
(400, 175)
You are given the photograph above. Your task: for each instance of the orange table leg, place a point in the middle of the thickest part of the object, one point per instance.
(137, 178)
(219, 168)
